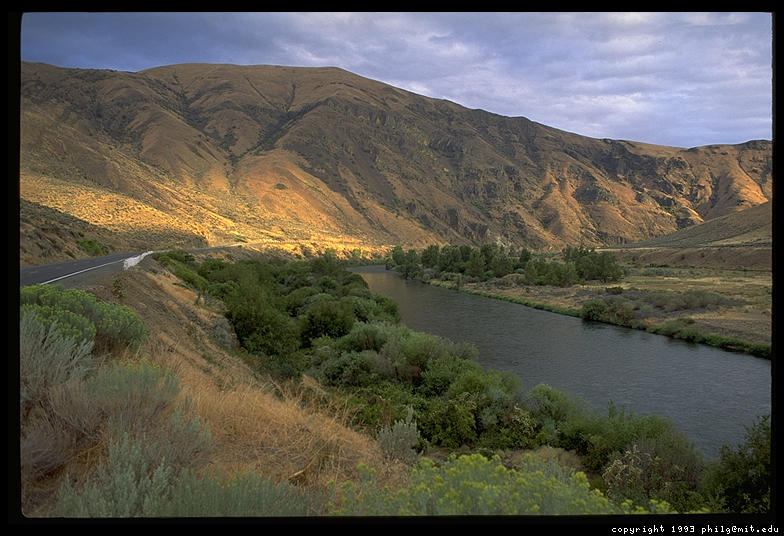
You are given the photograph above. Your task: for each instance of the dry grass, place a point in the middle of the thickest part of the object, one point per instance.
(256, 425)
(288, 433)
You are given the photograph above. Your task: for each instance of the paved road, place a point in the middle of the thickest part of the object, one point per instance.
(72, 273)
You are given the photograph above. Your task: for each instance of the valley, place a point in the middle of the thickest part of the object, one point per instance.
(301, 368)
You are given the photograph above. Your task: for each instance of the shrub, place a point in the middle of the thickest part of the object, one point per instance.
(595, 310)
(57, 297)
(327, 318)
(742, 477)
(441, 372)
(48, 358)
(518, 429)
(449, 423)
(349, 369)
(167, 258)
(260, 327)
(399, 441)
(548, 404)
(665, 468)
(612, 309)
(116, 327)
(93, 247)
(184, 441)
(243, 495)
(296, 300)
(274, 334)
(475, 485)
(364, 336)
(68, 324)
(119, 327)
(126, 485)
(190, 276)
(389, 308)
(132, 396)
(223, 289)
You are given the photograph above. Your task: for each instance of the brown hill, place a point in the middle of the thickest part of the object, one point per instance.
(212, 154)
(741, 240)
(752, 227)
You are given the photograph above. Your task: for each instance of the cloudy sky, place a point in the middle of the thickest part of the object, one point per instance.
(680, 79)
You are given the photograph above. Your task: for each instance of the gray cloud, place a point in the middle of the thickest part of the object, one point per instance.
(681, 79)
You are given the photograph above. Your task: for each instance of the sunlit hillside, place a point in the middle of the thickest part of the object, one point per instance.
(204, 154)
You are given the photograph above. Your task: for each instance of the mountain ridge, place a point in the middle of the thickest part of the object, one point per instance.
(320, 155)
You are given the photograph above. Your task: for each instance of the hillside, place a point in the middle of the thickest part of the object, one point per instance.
(741, 240)
(318, 157)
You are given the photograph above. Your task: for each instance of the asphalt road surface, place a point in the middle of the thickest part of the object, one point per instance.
(74, 273)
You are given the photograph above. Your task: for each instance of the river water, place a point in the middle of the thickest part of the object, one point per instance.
(710, 394)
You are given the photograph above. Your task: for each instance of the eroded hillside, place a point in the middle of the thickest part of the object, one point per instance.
(217, 154)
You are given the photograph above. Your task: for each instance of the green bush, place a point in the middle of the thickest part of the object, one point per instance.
(296, 300)
(116, 327)
(93, 247)
(595, 310)
(611, 309)
(68, 324)
(131, 396)
(473, 485)
(243, 495)
(449, 423)
(441, 373)
(168, 258)
(48, 358)
(548, 404)
(664, 468)
(126, 485)
(568, 422)
(57, 297)
(388, 307)
(260, 326)
(119, 327)
(327, 318)
(350, 369)
(741, 478)
(191, 277)
(365, 336)
(514, 429)
(400, 440)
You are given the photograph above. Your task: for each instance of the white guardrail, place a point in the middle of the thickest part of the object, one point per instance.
(133, 261)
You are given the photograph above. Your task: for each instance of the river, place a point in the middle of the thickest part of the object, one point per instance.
(710, 394)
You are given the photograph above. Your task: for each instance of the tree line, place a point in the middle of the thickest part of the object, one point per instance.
(577, 264)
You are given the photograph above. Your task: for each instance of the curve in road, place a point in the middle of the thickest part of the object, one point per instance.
(61, 271)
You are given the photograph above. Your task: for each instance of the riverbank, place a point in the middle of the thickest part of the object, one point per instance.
(740, 322)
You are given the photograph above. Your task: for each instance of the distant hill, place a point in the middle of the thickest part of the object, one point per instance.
(752, 227)
(202, 154)
(739, 241)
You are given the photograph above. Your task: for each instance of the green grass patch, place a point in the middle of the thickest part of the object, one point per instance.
(93, 247)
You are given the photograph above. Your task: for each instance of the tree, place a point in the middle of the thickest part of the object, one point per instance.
(608, 267)
(450, 259)
(501, 265)
(475, 267)
(523, 259)
(410, 263)
(490, 250)
(430, 256)
(398, 255)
